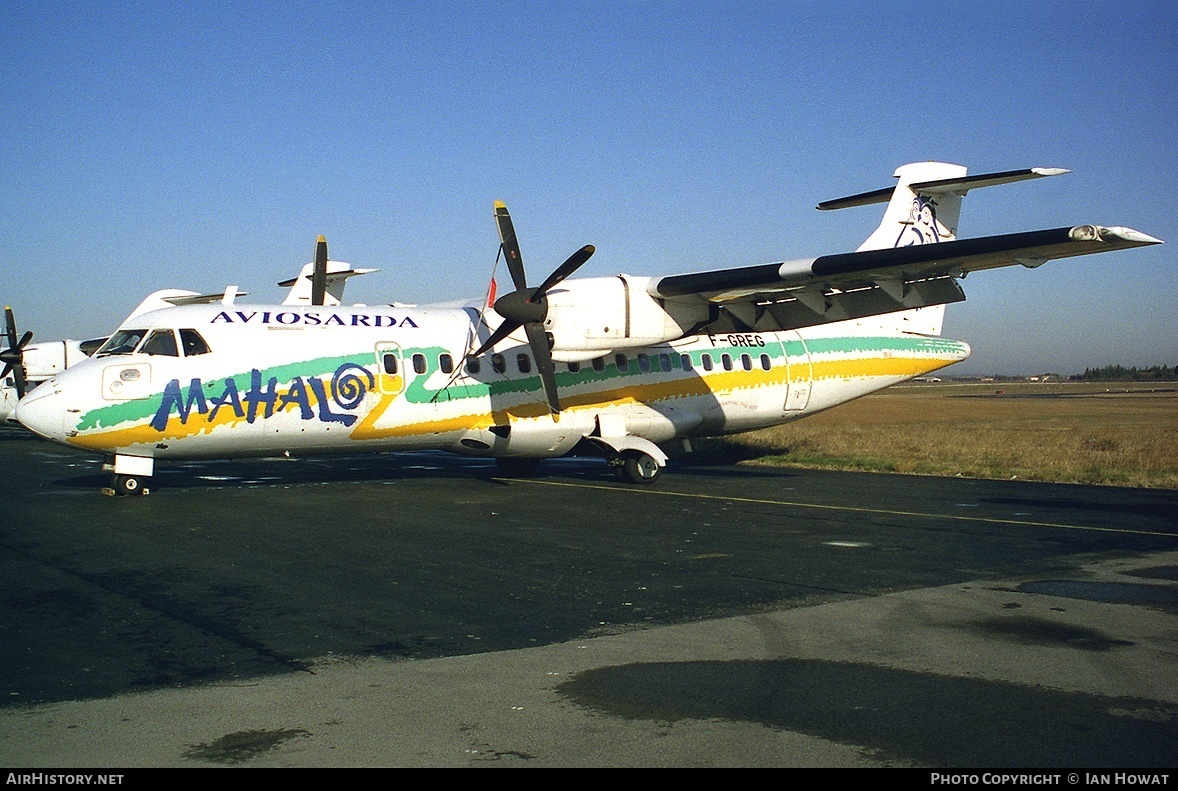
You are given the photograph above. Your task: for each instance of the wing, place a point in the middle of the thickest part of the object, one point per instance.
(829, 288)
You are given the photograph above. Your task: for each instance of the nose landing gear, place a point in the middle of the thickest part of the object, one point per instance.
(122, 485)
(130, 473)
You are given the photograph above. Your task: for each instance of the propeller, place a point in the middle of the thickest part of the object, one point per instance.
(319, 274)
(528, 307)
(13, 356)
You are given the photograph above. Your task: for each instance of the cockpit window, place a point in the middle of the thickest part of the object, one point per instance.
(193, 343)
(162, 343)
(122, 342)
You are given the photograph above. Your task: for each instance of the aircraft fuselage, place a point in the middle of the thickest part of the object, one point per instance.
(270, 380)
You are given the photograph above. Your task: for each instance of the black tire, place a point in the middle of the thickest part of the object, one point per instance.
(127, 484)
(639, 467)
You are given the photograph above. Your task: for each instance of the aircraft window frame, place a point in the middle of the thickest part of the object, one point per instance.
(121, 343)
(160, 342)
(419, 364)
(193, 343)
(498, 363)
(524, 363)
(766, 363)
(446, 363)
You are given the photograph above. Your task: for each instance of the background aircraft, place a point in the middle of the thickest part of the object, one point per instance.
(606, 365)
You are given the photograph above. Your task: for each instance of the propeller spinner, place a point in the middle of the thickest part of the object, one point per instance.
(13, 356)
(528, 307)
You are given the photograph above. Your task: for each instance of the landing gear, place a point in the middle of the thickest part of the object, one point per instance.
(634, 466)
(123, 485)
(130, 473)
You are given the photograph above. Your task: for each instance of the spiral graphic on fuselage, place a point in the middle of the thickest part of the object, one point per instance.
(349, 385)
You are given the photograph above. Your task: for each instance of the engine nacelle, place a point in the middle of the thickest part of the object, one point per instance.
(591, 316)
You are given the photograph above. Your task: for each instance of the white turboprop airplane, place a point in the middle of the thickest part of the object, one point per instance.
(605, 365)
(27, 365)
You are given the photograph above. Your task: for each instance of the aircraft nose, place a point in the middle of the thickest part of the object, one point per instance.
(41, 411)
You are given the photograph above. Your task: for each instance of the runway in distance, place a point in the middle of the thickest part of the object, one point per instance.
(611, 366)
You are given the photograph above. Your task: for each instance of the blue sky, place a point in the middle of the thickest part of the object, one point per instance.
(195, 145)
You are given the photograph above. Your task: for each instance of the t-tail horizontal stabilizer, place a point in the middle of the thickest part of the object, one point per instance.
(925, 205)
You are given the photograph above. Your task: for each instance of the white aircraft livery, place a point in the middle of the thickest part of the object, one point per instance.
(607, 365)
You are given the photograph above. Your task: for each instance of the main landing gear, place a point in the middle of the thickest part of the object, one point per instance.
(635, 466)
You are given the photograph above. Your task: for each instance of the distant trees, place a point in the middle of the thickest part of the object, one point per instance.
(1119, 373)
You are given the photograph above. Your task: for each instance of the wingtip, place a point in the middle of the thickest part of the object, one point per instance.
(1101, 232)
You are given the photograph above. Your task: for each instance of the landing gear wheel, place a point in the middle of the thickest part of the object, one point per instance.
(517, 467)
(637, 467)
(128, 484)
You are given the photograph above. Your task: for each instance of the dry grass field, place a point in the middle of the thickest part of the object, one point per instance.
(1109, 433)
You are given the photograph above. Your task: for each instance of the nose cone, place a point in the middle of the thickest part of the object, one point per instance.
(42, 411)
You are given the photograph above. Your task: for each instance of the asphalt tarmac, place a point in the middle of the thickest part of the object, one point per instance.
(419, 610)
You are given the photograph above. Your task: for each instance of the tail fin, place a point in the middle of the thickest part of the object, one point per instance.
(925, 205)
(337, 277)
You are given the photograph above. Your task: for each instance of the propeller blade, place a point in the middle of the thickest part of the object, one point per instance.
(527, 307)
(10, 323)
(319, 276)
(571, 264)
(13, 356)
(506, 328)
(538, 341)
(515, 262)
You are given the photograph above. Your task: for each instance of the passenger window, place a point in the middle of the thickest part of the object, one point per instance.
(498, 363)
(524, 362)
(162, 343)
(726, 360)
(665, 362)
(599, 364)
(686, 359)
(192, 343)
(446, 363)
(419, 363)
(746, 362)
(643, 363)
(707, 361)
(473, 366)
(574, 367)
(390, 364)
(766, 364)
(623, 362)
